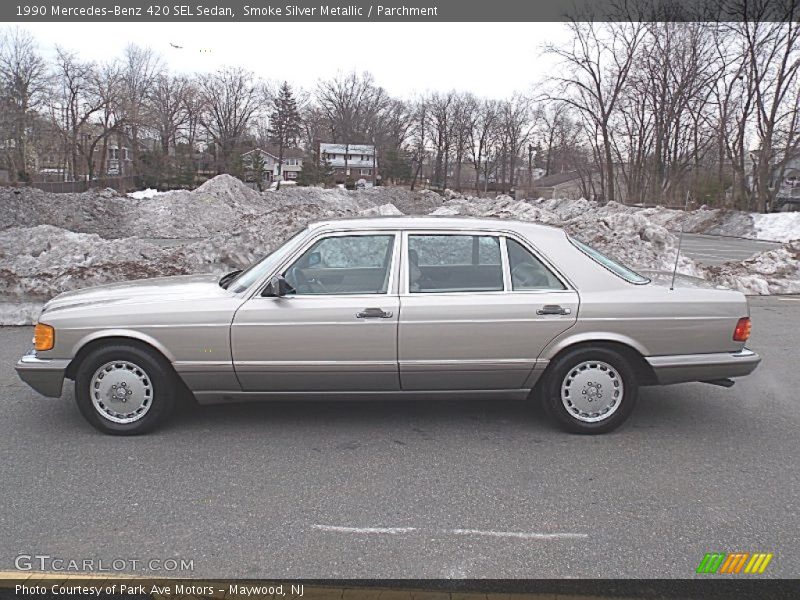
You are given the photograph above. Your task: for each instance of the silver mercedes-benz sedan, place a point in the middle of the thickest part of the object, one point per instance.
(430, 307)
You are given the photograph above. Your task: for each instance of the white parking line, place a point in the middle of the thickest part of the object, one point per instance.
(389, 530)
(522, 535)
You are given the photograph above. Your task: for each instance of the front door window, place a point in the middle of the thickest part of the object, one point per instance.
(350, 264)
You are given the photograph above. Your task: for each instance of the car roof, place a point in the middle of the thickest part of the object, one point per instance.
(436, 222)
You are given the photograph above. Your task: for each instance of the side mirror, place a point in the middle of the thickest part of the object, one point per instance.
(277, 287)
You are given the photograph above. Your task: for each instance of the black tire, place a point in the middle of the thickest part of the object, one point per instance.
(551, 389)
(153, 370)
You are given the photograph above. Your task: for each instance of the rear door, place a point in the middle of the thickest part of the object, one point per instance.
(476, 311)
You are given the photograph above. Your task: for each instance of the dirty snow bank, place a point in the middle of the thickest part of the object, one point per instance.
(775, 271)
(50, 243)
(146, 193)
(779, 227)
(627, 236)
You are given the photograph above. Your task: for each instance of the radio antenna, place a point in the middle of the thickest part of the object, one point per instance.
(680, 243)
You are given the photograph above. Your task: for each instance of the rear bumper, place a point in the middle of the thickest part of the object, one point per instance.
(43, 375)
(703, 367)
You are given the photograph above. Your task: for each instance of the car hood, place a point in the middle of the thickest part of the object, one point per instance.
(188, 287)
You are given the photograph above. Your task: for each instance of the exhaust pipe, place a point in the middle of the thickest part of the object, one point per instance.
(726, 383)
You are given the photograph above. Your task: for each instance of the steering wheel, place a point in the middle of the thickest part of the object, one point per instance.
(318, 283)
(528, 276)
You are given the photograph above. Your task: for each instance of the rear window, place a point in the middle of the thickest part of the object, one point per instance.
(618, 269)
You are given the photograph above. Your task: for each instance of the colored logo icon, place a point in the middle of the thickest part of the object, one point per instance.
(734, 563)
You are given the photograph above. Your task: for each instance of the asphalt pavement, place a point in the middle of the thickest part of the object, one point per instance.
(416, 489)
(715, 249)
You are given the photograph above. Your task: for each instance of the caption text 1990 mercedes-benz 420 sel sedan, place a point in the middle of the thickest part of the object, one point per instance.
(429, 307)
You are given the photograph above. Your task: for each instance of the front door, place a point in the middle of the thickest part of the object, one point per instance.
(336, 332)
(476, 311)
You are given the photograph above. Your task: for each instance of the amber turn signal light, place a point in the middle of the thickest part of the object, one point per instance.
(44, 337)
(742, 331)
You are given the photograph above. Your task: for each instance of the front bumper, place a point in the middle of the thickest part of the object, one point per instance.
(46, 376)
(703, 367)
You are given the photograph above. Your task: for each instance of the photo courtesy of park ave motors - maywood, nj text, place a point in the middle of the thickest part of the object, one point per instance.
(451, 299)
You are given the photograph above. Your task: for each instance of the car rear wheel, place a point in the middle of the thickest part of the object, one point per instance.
(590, 390)
(124, 389)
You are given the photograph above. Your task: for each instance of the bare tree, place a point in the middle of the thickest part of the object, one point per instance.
(481, 138)
(516, 128)
(141, 67)
(440, 108)
(73, 104)
(598, 62)
(230, 99)
(23, 85)
(419, 138)
(352, 104)
(772, 64)
(167, 108)
(465, 112)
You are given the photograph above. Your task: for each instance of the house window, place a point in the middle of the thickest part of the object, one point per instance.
(366, 171)
(366, 157)
(291, 175)
(113, 153)
(291, 162)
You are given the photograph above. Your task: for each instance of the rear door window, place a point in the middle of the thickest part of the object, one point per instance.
(454, 263)
(527, 271)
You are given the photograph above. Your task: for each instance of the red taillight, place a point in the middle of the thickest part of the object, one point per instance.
(742, 331)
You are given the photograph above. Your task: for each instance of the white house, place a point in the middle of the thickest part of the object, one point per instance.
(292, 163)
(361, 162)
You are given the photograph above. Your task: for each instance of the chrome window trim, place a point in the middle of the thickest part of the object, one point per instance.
(320, 234)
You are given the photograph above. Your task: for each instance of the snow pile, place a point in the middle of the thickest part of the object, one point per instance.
(779, 227)
(146, 193)
(772, 272)
(51, 260)
(384, 210)
(50, 243)
(626, 235)
(407, 202)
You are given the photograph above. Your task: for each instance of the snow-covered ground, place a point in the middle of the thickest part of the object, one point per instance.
(50, 243)
(146, 193)
(778, 227)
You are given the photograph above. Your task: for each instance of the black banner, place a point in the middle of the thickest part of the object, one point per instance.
(38, 586)
(30, 11)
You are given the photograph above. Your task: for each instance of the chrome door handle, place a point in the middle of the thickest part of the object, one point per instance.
(553, 309)
(374, 313)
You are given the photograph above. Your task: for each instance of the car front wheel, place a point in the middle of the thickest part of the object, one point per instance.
(124, 389)
(590, 390)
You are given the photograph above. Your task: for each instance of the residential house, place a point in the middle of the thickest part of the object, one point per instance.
(292, 163)
(354, 161)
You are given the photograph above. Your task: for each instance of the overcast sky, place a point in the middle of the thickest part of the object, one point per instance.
(488, 59)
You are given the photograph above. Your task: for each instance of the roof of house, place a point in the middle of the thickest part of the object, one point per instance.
(273, 152)
(349, 148)
(262, 151)
(556, 179)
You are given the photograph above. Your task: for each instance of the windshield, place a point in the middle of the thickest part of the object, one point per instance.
(618, 269)
(257, 270)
